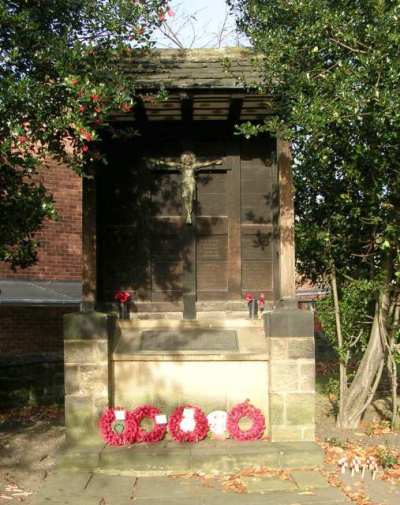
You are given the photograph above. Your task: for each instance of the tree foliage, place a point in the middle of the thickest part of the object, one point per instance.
(356, 305)
(60, 77)
(333, 68)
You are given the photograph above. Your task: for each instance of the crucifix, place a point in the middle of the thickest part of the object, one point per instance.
(188, 165)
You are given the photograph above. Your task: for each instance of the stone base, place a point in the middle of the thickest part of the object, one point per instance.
(290, 337)
(168, 458)
(212, 376)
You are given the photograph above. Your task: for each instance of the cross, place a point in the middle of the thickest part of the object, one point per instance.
(188, 166)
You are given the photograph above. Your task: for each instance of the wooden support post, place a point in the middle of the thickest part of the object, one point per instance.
(89, 270)
(235, 110)
(189, 266)
(186, 110)
(140, 112)
(234, 231)
(287, 267)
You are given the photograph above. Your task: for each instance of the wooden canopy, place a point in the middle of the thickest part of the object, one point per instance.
(207, 92)
(200, 84)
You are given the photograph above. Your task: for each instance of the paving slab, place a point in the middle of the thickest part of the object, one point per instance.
(59, 486)
(379, 491)
(79, 458)
(111, 488)
(309, 479)
(209, 456)
(328, 496)
(145, 459)
(179, 487)
(82, 488)
(265, 485)
(231, 456)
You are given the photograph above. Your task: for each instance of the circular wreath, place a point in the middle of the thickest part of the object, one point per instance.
(158, 431)
(239, 411)
(201, 425)
(115, 432)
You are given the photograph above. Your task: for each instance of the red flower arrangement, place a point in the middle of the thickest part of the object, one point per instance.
(248, 297)
(122, 296)
(110, 428)
(198, 433)
(158, 431)
(245, 409)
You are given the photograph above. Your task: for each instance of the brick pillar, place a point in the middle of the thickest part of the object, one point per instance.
(86, 368)
(290, 336)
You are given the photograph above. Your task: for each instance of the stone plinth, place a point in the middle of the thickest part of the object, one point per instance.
(216, 365)
(86, 366)
(290, 337)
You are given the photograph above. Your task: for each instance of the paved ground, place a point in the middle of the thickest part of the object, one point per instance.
(82, 488)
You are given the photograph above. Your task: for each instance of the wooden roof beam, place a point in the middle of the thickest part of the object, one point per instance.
(140, 112)
(235, 110)
(186, 108)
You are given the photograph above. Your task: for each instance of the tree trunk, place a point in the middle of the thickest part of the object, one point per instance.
(342, 365)
(363, 387)
(392, 365)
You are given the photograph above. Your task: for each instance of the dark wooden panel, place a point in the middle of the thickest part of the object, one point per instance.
(166, 225)
(212, 205)
(234, 231)
(214, 247)
(167, 276)
(213, 296)
(169, 248)
(211, 182)
(257, 275)
(256, 208)
(257, 244)
(206, 226)
(167, 199)
(127, 261)
(211, 194)
(212, 275)
(256, 179)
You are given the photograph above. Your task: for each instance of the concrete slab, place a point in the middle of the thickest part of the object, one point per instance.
(111, 488)
(299, 454)
(309, 479)
(263, 485)
(382, 492)
(60, 485)
(331, 496)
(145, 459)
(161, 487)
(79, 458)
(208, 456)
(231, 456)
(82, 488)
(198, 339)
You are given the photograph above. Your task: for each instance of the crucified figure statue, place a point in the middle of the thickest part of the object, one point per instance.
(188, 165)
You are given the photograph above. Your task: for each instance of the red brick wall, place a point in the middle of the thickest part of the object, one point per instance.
(60, 251)
(31, 330)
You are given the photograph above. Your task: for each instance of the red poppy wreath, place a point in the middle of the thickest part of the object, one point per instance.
(118, 431)
(245, 410)
(158, 431)
(188, 424)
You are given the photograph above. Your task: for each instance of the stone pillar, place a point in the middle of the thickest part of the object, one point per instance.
(290, 336)
(89, 243)
(86, 370)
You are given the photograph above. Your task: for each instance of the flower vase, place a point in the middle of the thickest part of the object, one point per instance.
(124, 311)
(253, 309)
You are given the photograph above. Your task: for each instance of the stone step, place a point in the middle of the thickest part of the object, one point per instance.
(209, 456)
(179, 324)
(201, 315)
(156, 315)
